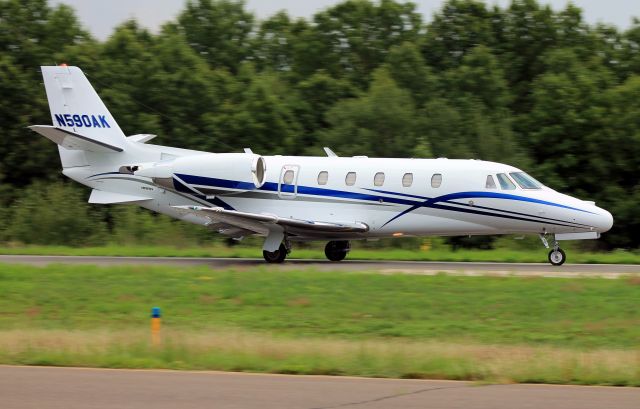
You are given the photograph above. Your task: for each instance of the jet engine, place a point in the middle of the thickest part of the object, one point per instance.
(208, 174)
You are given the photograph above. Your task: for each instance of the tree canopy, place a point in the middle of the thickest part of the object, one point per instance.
(523, 84)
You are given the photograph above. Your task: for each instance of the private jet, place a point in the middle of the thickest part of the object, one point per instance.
(288, 199)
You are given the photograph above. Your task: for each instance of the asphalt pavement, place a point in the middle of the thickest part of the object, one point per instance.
(387, 267)
(71, 388)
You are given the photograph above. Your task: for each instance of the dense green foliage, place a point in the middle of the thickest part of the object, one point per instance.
(526, 85)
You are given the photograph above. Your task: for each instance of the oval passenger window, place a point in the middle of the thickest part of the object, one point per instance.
(407, 179)
(378, 179)
(323, 177)
(436, 180)
(350, 180)
(287, 179)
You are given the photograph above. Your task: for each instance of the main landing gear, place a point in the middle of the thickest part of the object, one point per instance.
(557, 256)
(337, 250)
(334, 250)
(277, 256)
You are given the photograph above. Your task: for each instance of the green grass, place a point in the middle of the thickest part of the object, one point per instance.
(585, 312)
(262, 352)
(539, 255)
(484, 328)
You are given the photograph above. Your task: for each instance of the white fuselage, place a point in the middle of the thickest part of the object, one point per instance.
(289, 198)
(462, 203)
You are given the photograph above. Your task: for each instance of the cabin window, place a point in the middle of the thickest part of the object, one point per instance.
(350, 179)
(407, 179)
(323, 177)
(505, 182)
(378, 179)
(491, 184)
(436, 180)
(287, 179)
(525, 181)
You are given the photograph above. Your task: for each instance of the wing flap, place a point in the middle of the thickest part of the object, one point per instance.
(102, 197)
(73, 141)
(217, 215)
(259, 223)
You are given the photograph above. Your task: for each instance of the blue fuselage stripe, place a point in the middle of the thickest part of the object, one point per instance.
(444, 202)
(434, 203)
(512, 212)
(495, 195)
(207, 181)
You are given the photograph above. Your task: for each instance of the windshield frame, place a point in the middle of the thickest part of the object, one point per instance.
(505, 181)
(525, 181)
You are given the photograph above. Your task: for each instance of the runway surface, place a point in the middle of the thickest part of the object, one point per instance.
(407, 267)
(70, 388)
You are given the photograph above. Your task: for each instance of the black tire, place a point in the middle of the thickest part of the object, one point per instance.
(275, 257)
(557, 257)
(337, 250)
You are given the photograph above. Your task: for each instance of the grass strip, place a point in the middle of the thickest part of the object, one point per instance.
(506, 329)
(496, 255)
(576, 312)
(251, 352)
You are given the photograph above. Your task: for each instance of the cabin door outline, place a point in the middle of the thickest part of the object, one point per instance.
(288, 182)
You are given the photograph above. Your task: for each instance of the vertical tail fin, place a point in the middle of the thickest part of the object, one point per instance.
(76, 107)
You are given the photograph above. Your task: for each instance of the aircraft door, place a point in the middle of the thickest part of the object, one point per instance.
(288, 182)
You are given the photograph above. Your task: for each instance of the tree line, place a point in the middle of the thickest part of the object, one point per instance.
(523, 84)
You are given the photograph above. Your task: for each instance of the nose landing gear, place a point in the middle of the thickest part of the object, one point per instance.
(557, 256)
(337, 250)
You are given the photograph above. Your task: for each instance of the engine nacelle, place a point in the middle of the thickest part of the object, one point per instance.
(208, 174)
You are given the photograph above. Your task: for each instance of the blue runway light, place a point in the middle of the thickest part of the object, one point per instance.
(155, 312)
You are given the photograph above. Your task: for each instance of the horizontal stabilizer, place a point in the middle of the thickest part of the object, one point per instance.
(73, 141)
(141, 137)
(102, 197)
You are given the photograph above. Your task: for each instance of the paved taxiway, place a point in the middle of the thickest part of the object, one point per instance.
(408, 267)
(70, 388)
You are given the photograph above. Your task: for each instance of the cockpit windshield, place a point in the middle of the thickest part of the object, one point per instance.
(525, 181)
(505, 182)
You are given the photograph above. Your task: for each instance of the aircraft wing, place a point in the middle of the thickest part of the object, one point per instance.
(259, 223)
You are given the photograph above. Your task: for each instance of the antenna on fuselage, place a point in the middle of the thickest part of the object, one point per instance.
(330, 153)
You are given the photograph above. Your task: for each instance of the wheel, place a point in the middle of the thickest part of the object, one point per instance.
(557, 257)
(337, 250)
(277, 256)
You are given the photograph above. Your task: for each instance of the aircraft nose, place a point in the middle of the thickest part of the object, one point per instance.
(604, 221)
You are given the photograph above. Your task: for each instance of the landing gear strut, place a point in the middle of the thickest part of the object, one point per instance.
(557, 256)
(277, 256)
(337, 250)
